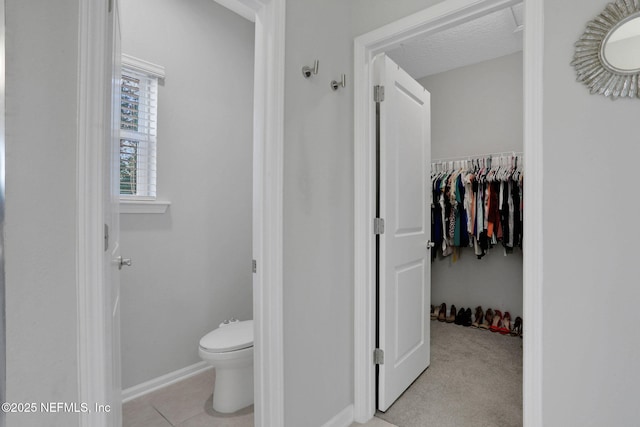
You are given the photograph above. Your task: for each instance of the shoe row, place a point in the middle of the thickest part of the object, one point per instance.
(492, 320)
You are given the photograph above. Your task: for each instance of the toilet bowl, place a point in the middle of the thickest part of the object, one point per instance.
(229, 349)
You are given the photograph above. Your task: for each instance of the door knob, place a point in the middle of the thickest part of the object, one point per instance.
(122, 262)
(430, 244)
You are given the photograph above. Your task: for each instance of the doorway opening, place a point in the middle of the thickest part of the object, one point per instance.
(98, 378)
(445, 15)
(191, 263)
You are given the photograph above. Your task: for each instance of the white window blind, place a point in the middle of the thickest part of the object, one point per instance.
(138, 133)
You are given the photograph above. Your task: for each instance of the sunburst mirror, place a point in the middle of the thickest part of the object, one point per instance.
(607, 55)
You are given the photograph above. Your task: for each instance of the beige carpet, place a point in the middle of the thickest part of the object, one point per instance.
(475, 379)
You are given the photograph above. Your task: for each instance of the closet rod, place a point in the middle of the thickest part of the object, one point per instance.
(478, 156)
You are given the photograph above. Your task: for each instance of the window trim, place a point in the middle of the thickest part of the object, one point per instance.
(138, 206)
(145, 67)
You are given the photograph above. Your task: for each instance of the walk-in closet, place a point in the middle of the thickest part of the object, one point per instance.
(474, 73)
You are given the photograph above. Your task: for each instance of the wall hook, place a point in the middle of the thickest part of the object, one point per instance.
(308, 71)
(343, 82)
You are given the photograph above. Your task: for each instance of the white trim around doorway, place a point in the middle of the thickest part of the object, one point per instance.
(439, 17)
(268, 137)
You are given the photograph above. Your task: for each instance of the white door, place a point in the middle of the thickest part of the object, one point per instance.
(404, 261)
(112, 221)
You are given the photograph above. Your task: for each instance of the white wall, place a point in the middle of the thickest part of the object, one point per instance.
(591, 152)
(474, 110)
(477, 109)
(369, 15)
(318, 200)
(192, 265)
(41, 320)
(318, 203)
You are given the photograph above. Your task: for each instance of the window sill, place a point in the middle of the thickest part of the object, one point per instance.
(143, 206)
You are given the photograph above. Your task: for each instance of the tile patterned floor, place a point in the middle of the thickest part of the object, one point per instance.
(188, 403)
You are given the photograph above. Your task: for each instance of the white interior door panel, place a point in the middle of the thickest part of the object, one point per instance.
(404, 264)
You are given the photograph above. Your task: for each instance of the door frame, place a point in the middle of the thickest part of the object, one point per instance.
(93, 98)
(441, 16)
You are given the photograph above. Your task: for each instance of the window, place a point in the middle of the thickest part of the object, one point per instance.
(138, 128)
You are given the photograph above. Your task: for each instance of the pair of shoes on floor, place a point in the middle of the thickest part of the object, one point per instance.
(501, 323)
(488, 318)
(463, 317)
(452, 314)
(516, 330)
(478, 317)
(436, 309)
(439, 312)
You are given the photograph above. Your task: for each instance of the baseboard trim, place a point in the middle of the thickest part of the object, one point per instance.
(343, 419)
(163, 381)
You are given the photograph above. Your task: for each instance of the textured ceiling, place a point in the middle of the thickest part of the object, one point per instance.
(491, 36)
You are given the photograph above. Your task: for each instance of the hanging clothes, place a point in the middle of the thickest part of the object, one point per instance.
(477, 205)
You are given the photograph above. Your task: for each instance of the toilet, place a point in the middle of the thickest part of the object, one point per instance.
(229, 349)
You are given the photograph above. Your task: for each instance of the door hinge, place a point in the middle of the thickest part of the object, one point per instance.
(254, 266)
(378, 226)
(106, 237)
(378, 93)
(378, 356)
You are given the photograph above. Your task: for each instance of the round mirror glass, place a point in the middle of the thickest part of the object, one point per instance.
(621, 48)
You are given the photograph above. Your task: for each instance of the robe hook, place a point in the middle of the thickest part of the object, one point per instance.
(308, 71)
(343, 82)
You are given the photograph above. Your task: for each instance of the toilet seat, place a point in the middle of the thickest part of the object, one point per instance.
(231, 337)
